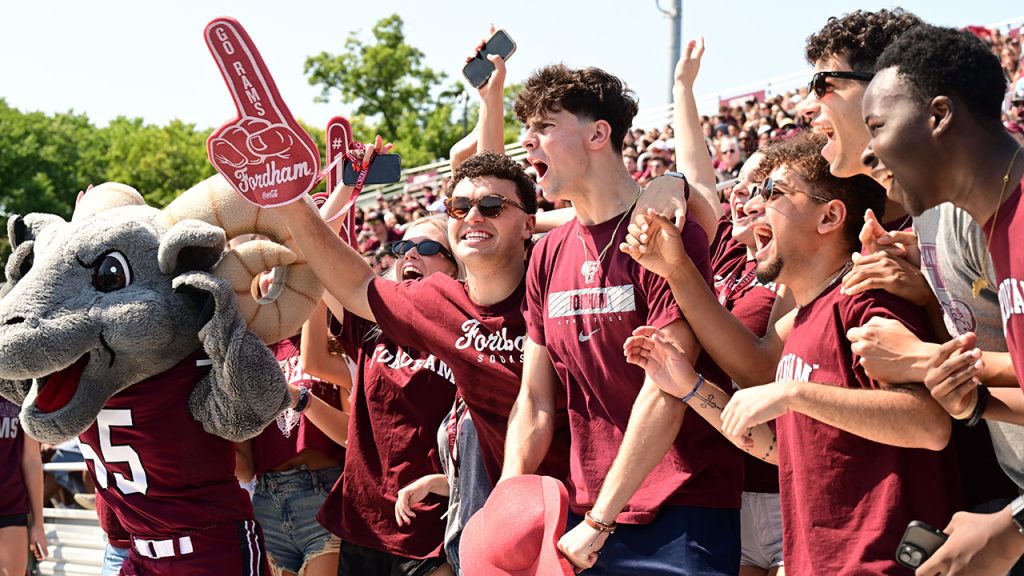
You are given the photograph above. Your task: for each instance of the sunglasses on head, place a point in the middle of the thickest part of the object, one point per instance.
(489, 206)
(820, 87)
(424, 247)
(769, 189)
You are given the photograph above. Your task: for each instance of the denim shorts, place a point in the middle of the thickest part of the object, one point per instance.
(286, 504)
(113, 557)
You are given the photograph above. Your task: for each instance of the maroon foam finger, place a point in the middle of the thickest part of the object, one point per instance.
(282, 163)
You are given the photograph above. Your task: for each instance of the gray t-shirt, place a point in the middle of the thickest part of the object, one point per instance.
(468, 483)
(953, 254)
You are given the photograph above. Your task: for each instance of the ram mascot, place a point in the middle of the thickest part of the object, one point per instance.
(140, 332)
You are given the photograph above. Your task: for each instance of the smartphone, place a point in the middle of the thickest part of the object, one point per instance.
(919, 542)
(384, 169)
(478, 70)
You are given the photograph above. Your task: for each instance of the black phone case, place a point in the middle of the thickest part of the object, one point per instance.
(478, 70)
(919, 542)
(384, 169)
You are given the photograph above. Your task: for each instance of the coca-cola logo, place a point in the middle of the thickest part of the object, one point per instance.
(263, 152)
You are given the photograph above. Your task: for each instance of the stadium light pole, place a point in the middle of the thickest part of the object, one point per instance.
(675, 19)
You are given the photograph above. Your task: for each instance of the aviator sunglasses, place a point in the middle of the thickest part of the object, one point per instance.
(490, 206)
(770, 189)
(424, 247)
(820, 87)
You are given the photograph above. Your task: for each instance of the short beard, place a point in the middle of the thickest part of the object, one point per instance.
(770, 271)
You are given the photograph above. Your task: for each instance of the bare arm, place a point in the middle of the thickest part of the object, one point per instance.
(551, 219)
(532, 420)
(463, 149)
(1005, 405)
(692, 158)
(904, 416)
(315, 356)
(245, 467)
(492, 110)
(656, 243)
(342, 271)
(330, 420)
(32, 469)
(672, 372)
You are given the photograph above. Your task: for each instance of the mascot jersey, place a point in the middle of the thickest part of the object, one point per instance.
(158, 469)
(13, 493)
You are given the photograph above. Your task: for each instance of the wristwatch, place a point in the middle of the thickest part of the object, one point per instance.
(1017, 511)
(303, 401)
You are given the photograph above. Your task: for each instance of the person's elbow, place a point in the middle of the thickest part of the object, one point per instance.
(936, 429)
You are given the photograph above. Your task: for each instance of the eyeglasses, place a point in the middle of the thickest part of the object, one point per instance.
(820, 87)
(490, 206)
(424, 247)
(769, 189)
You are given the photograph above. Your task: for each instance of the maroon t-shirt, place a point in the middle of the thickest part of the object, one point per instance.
(13, 492)
(1008, 259)
(483, 346)
(158, 469)
(291, 433)
(751, 303)
(583, 317)
(400, 397)
(117, 536)
(847, 500)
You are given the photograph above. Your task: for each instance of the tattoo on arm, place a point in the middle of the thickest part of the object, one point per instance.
(708, 401)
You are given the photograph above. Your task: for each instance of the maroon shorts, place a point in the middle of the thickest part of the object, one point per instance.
(225, 550)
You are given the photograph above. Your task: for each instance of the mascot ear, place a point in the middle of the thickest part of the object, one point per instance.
(191, 245)
(22, 232)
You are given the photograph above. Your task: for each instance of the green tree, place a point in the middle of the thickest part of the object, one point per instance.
(394, 92)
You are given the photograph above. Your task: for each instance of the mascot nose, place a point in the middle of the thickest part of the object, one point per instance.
(14, 320)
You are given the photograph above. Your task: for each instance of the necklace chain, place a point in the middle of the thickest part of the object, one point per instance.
(842, 272)
(604, 252)
(981, 282)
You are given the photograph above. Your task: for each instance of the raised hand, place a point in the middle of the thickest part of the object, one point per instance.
(263, 152)
(662, 359)
(656, 242)
(952, 375)
(689, 65)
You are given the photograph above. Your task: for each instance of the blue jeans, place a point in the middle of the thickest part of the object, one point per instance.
(286, 504)
(113, 557)
(682, 541)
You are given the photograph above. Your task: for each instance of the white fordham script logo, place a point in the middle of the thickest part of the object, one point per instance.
(495, 347)
(586, 337)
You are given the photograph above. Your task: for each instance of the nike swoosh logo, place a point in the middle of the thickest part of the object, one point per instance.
(585, 337)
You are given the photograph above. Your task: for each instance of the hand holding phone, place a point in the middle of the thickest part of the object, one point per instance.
(919, 542)
(479, 69)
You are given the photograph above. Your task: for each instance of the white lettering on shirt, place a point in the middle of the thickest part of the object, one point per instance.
(9, 427)
(610, 300)
(401, 360)
(793, 367)
(1011, 300)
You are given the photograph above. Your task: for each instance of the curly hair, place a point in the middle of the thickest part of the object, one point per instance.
(936, 61)
(802, 153)
(589, 93)
(860, 36)
(502, 167)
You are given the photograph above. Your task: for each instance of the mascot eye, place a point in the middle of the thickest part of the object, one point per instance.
(112, 273)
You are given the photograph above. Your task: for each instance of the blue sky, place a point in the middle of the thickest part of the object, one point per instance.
(147, 59)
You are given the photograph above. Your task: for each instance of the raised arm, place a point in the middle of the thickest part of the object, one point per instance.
(32, 469)
(656, 243)
(315, 356)
(692, 158)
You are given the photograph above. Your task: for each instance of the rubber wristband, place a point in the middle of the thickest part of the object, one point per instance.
(696, 387)
(599, 525)
(979, 407)
(303, 402)
(969, 411)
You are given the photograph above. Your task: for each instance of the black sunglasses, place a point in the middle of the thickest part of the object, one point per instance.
(820, 87)
(767, 191)
(490, 206)
(424, 247)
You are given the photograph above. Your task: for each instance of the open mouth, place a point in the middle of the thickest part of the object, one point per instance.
(762, 240)
(57, 389)
(540, 167)
(411, 273)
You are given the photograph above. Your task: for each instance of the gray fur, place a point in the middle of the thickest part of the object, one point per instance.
(53, 315)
